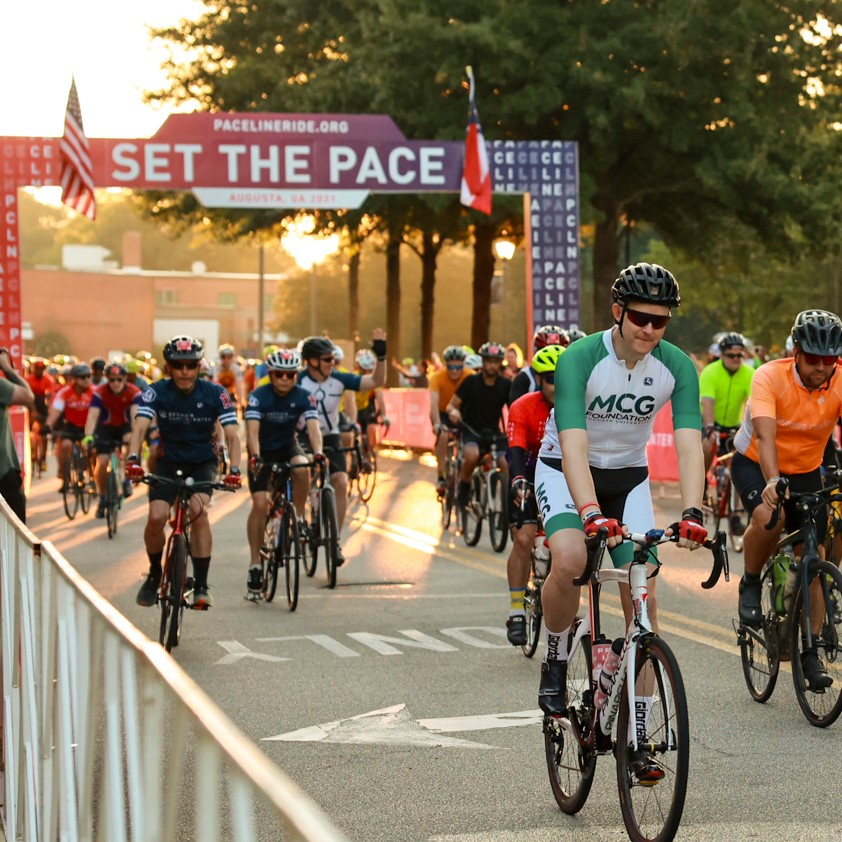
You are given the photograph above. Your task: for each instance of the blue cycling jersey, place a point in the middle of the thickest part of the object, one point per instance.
(186, 421)
(278, 416)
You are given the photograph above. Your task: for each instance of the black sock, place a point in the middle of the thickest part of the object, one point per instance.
(751, 578)
(200, 571)
(155, 561)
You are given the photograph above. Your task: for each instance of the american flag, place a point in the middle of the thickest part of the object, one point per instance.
(476, 177)
(77, 180)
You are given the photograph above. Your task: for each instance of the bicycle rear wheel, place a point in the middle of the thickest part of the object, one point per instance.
(532, 606)
(652, 808)
(291, 554)
(821, 705)
(498, 511)
(270, 554)
(112, 502)
(329, 530)
(368, 474)
(70, 495)
(175, 592)
(759, 650)
(472, 513)
(570, 763)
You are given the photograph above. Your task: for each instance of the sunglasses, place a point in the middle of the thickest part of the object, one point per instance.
(815, 359)
(642, 319)
(455, 368)
(733, 356)
(328, 359)
(284, 375)
(83, 376)
(189, 365)
(116, 379)
(549, 377)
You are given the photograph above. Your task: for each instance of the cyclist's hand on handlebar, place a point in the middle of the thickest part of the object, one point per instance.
(616, 529)
(234, 478)
(255, 464)
(770, 495)
(691, 534)
(134, 470)
(522, 488)
(87, 442)
(320, 459)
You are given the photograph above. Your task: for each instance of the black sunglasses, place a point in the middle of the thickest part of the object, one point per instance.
(733, 356)
(190, 365)
(284, 375)
(549, 377)
(642, 319)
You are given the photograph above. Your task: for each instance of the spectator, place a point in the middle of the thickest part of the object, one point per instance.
(14, 391)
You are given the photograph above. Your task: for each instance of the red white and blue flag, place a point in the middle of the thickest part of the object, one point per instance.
(476, 176)
(77, 179)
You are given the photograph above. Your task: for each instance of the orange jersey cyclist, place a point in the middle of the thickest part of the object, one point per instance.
(794, 405)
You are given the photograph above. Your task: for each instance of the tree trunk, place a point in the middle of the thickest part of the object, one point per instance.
(429, 257)
(483, 273)
(354, 296)
(393, 302)
(605, 268)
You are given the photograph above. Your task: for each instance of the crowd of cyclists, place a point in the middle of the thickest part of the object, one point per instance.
(570, 427)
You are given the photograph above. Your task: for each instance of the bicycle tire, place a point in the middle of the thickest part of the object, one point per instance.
(570, 765)
(175, 592)
(498, 514)
(761, 659)
(269, 554)
(112, 502)
(70, 495)
(329, 533)
(534, 613)
(82, 480)
(308, 551)
(367, 478)
(652, 813)
(291, 554)
(472, 513)
(820, 707)
(448, 501)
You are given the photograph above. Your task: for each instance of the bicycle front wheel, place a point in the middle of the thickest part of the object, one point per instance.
(472, 513)
(759, 650)
(70, 495)
(291, 555)
(570, 762)
(532, 607)
(653, 779)
(498, 511)
(178, 576)
(820, 700)
(270, 555)
(83, 481)
(329, 531)
(112, 503)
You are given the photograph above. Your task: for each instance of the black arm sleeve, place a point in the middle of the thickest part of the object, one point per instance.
(517, 462)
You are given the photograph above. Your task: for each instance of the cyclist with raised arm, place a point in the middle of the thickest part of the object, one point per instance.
(794, 405)
(525, 429)
(479, 403)
(187, 410)
(274, 411)
(326, 388)
(371, 407)
(592, 470)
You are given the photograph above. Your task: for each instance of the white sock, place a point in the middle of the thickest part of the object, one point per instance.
(557, 644)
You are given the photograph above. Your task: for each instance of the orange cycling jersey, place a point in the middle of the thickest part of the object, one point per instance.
(440, 382)
(804, 418)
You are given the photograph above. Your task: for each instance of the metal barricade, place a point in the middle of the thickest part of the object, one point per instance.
(105, 737)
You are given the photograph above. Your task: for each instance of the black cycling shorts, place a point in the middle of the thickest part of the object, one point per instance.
(260, 482)
(201, 472)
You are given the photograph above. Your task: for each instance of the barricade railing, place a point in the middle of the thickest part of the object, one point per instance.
(104, 737)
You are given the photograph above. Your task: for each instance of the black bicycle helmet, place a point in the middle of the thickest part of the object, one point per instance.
(492, 351)
(80, 370)
(646, 282)
(181, 348)
(731, 340)
(549, 335)
(817, 332)
(316, 346)
(98, 364)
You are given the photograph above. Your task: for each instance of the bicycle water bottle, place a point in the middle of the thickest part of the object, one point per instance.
(790, 585)
(542, 555)
(607, 674)
(780, 568)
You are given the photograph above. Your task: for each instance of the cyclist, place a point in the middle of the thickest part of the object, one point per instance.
(370, 404)
(326, 388)
(134, 370)
(724, 386)
(273, 412)
(443, 385)
(97, 372)
(229, 375)
(525, 380)
(609, 388)
(187, 410)
(43, 387)
(525, 429)
(479, 402)
(575, 333)
(109, 423)
(794, 404)
(71, 403)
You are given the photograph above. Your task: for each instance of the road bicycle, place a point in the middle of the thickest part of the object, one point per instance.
(488, 496)
(38, 449)
(78, 489)
(281, 545)
(452, 469)
(722, 502)
(321, 524)
(800, 617)
(539, 568)
(657, 741)
(176, 586)
(362, 472)
(113, 492)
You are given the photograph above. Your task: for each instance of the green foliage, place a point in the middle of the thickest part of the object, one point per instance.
(51, 343)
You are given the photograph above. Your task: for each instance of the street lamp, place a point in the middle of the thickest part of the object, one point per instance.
(308, 252)
(505, 251)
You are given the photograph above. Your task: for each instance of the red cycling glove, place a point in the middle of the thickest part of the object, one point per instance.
(691, 531)
(234, 478)
(596, 520)
(134, 470)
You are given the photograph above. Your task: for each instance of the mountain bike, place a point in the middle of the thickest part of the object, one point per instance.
(77, 484)
(322, 525)
(113, 492)
(722, 501)
(488, 496)
(452, 468)
(281, 545)
(802, 617)
(651, 806)
(176, 586)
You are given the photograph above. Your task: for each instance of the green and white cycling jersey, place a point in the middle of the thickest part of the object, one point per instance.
(595, 391)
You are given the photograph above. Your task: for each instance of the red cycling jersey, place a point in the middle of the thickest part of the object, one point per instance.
(528, 416)
(114, 409)
(43, 386)
(74, 405)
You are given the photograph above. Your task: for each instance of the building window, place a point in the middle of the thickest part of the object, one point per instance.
(227, 299)
(164, 297)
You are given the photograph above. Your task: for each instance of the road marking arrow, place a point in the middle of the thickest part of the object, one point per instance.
(395, 726)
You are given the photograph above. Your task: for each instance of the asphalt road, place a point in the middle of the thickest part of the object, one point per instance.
(397, 704)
